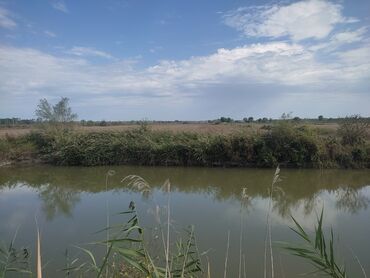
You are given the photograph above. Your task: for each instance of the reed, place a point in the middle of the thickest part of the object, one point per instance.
(13, 260)
(283, 144)
(227, 254)
(38, 256)
(268, 236)
(316, 250)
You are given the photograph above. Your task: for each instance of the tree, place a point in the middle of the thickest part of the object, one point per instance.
(286, 116)
(248, 120)
(58, 113)
(321, 117)
(226, 120)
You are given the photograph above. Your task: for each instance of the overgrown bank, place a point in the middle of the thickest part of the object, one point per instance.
(283, 144)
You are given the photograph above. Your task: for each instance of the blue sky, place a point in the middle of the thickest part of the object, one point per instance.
(186, 60)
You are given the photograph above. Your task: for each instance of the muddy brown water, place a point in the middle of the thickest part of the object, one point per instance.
(70, 205)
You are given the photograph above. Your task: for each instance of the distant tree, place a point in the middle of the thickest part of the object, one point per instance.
(248, 120)
(296, 119)
(58, 113)
(286, 116)
(226, 120)
(103, 123)
(320, 118)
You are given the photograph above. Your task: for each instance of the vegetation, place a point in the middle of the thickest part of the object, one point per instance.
(316, 251)
(285, 143)
(58, 113)
(13, 260)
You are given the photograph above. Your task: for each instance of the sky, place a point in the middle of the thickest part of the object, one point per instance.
(186, 59)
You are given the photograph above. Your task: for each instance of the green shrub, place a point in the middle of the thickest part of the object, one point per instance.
(285, 144)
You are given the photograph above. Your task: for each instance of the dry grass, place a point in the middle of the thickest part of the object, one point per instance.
(202, 128)
(14, 131)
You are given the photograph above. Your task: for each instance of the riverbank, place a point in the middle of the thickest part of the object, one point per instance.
(283, 144)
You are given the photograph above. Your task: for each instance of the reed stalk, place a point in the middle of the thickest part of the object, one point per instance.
(227, 253)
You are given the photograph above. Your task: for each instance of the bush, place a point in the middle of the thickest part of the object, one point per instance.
(353, 130)
(285, 144)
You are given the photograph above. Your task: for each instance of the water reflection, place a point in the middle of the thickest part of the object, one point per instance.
(351, 200)
(57, 199)
(59, 188)
(72, 201)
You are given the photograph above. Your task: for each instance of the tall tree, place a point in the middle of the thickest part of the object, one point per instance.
(60, 112)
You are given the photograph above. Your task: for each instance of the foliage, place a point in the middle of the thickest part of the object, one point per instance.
(13, 260)
(17, 149)
(61, 112)
(316, 251)
(128, 249)
(226, 120)
(285, 142)
(353, 130)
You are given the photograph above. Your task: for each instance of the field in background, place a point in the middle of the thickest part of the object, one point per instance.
(324, 129)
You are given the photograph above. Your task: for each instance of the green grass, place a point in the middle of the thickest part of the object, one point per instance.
(284, 144)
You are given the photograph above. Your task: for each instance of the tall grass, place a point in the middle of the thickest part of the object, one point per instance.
(13, 260)
(244, 199)
(268, 236)
(38, 256)
(317, 251)
(283, 144)
(129, 243)
(227, 254)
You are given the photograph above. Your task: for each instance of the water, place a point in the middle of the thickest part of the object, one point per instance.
(70, 205)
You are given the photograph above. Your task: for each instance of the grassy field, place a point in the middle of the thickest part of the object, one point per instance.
(325, 129)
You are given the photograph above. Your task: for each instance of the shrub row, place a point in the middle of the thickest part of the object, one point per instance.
(286, 145)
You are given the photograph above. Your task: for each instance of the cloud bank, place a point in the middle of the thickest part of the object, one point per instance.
(307, 54)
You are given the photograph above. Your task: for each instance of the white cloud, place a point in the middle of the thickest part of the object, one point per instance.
(299, 21)
(5, 19)
(273, 69)
(60, 6)
(356, 57)
(88, 51)
(26, 71)
(50, 34)
(340, 39)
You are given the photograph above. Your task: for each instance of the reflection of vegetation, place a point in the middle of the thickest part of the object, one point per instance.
(126, 247)
(57, 199)
(351, 200)
(64, 184)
